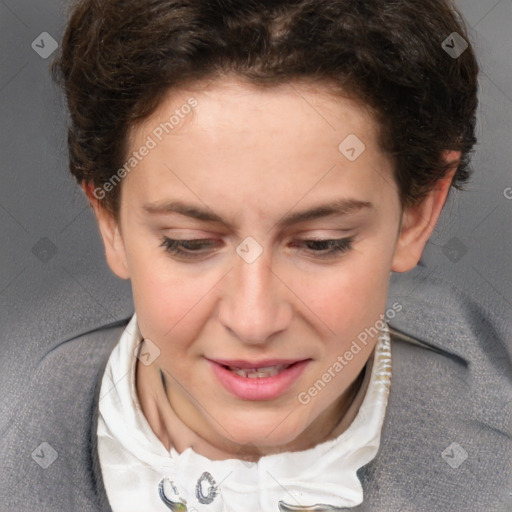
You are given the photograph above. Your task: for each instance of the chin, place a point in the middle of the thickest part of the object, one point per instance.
(273, 430)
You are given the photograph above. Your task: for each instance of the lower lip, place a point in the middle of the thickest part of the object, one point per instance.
(261, 388)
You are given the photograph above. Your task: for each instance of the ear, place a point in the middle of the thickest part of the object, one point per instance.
(110, 233)
(419, 220)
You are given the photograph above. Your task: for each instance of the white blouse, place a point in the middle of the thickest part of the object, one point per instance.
(141, 475)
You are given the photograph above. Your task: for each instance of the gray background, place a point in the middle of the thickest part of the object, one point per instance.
(54, 281)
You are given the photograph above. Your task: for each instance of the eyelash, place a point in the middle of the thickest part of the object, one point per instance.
(175, 247)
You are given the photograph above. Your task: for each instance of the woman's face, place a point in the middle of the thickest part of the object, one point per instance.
(261, 177)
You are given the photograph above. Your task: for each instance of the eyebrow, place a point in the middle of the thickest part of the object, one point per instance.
(337, 207)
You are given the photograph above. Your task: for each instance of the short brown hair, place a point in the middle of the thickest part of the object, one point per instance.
(119, 58)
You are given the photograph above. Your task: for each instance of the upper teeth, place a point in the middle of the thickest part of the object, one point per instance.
(255, 373)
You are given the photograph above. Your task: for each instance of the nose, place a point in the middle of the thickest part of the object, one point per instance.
(255, 301)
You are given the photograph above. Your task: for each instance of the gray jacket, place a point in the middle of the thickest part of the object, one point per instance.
(446, 443)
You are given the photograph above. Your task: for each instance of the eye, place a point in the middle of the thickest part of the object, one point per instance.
(196, 248)
(328, 248)
(186, 248)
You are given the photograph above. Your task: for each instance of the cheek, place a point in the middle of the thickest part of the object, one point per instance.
(167, 299)
(351, 295)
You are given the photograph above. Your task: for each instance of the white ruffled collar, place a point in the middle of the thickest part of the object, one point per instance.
(141, 474)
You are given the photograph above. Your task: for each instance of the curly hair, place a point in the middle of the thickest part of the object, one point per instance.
(120, 58)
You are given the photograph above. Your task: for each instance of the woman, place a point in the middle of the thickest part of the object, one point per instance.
(257, 170)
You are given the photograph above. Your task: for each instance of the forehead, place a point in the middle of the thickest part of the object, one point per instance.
(231, 104)
(280, 140)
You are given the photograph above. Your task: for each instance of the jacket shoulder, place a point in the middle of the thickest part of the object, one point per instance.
(46, 442)
(447, 429)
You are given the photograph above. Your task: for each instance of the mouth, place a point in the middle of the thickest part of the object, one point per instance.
(261, 372)
(264, 380)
